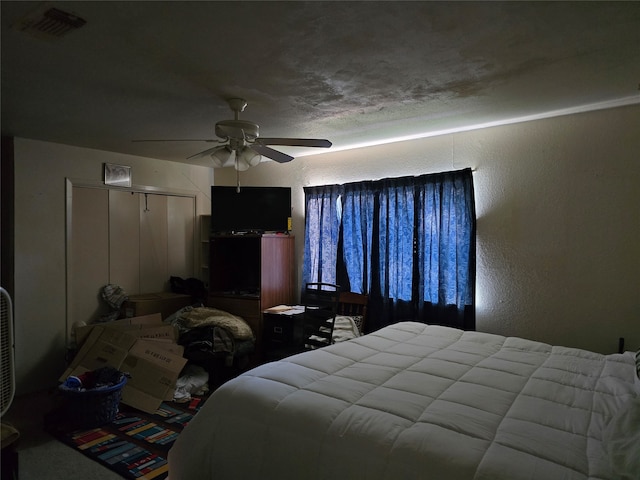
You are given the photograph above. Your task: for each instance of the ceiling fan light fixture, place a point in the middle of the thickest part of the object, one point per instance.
(221, 156)
(246, 159)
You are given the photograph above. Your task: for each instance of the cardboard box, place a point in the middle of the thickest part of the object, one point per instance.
(154, 371)
(167, 333)
(171, 348)
(148, 354)
(134, 323)
(103, 347)
(165, 303)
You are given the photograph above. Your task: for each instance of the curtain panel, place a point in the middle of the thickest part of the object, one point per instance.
(321, 226)
(408, 242)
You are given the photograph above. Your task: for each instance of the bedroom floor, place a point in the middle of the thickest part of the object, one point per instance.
(41, 456)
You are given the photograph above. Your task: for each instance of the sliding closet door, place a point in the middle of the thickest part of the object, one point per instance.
(88, 250)
(124, 240)
(181, 222)
(151, 239)
(154, 271)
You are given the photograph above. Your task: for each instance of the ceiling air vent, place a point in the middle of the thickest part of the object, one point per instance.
(50, 23)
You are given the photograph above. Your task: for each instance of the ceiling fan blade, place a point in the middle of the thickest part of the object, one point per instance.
(271, 153)
(208, 151)
(295, 142)
(179, 140)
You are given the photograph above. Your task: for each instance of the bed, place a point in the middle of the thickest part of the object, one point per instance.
(416, 401)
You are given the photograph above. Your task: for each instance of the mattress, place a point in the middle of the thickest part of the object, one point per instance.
(416, 401)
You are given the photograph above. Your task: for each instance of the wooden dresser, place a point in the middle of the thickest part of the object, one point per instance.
(250, 273)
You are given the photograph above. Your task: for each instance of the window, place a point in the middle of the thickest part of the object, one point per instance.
(408, 242)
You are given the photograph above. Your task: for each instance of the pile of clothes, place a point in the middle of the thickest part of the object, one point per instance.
(94, 380)
(213, 338)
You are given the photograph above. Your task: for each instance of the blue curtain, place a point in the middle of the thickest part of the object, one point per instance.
(445, 249)
(408, 242)
(321, 226)
(396, 237)
(357, 233)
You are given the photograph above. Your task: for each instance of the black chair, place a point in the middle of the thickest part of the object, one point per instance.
(320, 302)
(354, 305)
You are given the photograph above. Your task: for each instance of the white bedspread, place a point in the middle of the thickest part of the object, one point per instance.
(413, 401)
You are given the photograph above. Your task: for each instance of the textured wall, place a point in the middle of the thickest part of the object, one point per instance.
(558, 209)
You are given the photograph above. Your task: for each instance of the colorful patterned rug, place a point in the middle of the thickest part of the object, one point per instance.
(135, 444)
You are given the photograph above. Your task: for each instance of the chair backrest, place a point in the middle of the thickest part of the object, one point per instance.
(354, 305)
(320, 302)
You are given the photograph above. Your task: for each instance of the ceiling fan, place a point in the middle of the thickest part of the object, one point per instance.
(240, 145)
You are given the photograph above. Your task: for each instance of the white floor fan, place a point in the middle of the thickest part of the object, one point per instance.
(7, 352)
(7, 375)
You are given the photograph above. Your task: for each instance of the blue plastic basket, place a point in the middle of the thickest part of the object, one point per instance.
(93, 407)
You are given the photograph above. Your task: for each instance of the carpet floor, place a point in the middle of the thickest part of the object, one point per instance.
(135, 444)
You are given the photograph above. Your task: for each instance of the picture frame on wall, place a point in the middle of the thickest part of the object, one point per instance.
(117, 175)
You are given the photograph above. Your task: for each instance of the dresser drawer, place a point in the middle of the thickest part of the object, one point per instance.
(277, 328)
(281, 335)
(241, 306)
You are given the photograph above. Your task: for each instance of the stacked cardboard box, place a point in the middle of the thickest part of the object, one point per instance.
(143, 347)
(166, 303)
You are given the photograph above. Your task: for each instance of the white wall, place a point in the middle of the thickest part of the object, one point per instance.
(40, 283)
(558, 207)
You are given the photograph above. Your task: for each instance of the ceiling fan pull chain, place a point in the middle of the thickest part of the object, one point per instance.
(237, 178)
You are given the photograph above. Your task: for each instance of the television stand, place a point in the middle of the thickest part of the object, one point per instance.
(250, 273)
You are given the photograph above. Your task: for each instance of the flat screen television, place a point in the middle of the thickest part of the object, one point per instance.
(252, 210)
